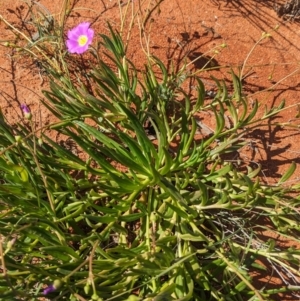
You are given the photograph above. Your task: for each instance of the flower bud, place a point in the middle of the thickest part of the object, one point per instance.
(10, 245)
(18, 138)
(95, 297)
(11, 242)
(87, 288)
(57, 283)
(26, 111)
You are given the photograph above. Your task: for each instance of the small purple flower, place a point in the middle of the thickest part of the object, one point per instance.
(26, 111)
(52, 287)
(79, 38)
(49, 289)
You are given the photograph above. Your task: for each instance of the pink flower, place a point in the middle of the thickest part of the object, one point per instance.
(79, 38)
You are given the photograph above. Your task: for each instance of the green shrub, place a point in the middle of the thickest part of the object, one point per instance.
(138, 206)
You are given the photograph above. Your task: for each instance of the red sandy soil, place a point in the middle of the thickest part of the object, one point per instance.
(185, 30)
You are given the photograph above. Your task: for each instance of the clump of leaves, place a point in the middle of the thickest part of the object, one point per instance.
(143, 210)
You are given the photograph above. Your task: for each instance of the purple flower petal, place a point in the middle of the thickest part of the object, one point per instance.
(73, 35)
(83, 27)
(25, 109)
(75, 48)
(82, 49)
(71, 45)
(49, 289)
(90, 34)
